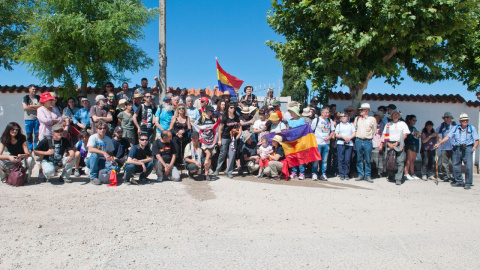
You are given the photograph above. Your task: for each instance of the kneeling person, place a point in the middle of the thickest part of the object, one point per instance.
(53, 150)
(139, 159)
(195, 158)
(165, 154)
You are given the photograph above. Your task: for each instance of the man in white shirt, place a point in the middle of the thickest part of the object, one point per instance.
(100, 148)
(323, 128)
(366, 127)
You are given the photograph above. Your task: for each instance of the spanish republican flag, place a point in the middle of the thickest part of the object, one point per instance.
(227, 82)
(299, 145)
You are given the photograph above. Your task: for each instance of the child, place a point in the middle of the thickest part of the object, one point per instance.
(264, 150)
(81, 151)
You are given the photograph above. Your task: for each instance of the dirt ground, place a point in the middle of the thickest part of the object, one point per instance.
(240, 223)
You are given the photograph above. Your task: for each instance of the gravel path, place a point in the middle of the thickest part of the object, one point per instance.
(244, 223)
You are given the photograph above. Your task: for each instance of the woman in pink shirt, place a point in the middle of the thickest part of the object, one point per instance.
(48, 115)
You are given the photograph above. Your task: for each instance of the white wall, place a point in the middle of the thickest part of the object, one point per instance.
(424, 112)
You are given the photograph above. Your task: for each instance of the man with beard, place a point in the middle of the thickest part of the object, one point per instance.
(165, 154)
(98, 113)
(111, 107)
(145, 89)
(139, 159)
(163, 116)
(203, 97)
(125, 93)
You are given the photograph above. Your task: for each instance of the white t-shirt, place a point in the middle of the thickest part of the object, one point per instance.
(322, 130)
(281, 126)
(264, 151)
(396, 129)
(345, 129)
(259, 124)
(104, 144)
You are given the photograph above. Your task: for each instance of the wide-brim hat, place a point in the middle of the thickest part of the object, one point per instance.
(278, 139)
(274, 117)
(447, 114)
(296, 110)
(365, 106)
(306, 112)
(57, 128)
(245, 110)
(349, 108)
(396, 111)
(276, 103)
(44, 97)
(379, 113)
(246, 135)
(463, 116)
(252, 109)
(227, 93)
(99, 97)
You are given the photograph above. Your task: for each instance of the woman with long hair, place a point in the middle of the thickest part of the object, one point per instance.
(229, 131)
(71, 108)
(16, 144)
(221, 108)
(125, 120)
(208, 119)
(411, 147)
(429, 139)
(48, 115)
(180, 127)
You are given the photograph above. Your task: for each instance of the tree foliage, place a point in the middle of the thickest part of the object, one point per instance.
(12, 23)
(91, 41)
(294, 85)
(352, 41)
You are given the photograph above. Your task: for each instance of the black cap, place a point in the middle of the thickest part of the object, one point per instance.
(194, 134)
(392, 106)
(209, 108)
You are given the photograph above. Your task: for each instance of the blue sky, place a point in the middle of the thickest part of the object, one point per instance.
(235, 32)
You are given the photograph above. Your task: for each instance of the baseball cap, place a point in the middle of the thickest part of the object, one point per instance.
(117, 129)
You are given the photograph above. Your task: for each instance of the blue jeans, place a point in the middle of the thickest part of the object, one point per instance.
(323, 149)
(31, 128)
(364, 152)
(95, 163)
(465, 156)
(344, 153)
(300, 168)
(130, 169)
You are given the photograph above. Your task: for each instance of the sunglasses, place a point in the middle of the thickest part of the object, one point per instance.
(148, 96)
(202, 101)
(143, 140)
(231, 107)
(349, 111)
(111, 96)
(182, 109)
(101, 128)
(16, 129)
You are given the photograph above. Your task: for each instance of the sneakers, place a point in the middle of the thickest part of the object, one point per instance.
(160, 179)
(314, 177)
(293, 175)
(207, 178)
(216, 173)
(342, 177)
(408, 177)
(415, 177)
(275, 178)
(360, 178)
(398, 182)
(301, 176)
(190, 175)
(323, 177)
(260, 175)
(65, 180)
(369, 179)
(431, 177)
(96, 181)
(86, 170)
(76, 172)
(230, 175)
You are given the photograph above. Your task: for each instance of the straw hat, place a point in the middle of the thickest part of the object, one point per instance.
(246, 135)
(278, 139)
(365, 106)
(463, 116)
(306, 112)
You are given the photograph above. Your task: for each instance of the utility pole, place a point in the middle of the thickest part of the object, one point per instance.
(162, 50)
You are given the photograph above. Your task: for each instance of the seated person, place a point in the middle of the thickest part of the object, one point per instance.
(139, 159)
(165, 154)
(121, 145)
(263, 150)
(100, 150)
(81, 151)
(249, 152)
(195, 157)
(275, 164)
(53, 151)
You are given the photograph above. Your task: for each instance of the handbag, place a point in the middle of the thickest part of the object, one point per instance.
(391, 161)
(17, 175)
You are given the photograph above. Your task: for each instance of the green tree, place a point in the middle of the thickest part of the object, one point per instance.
(12, 23)
(349, 42)
(91, 41)
(293, 85)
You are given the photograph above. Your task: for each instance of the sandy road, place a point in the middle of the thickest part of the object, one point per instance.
(242, 223)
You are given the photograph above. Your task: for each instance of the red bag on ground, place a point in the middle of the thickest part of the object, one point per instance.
(17, 175)
(113, 179)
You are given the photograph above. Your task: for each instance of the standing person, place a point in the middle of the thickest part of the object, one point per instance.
(259, 126)
(100, 150)
(192, 112)
(195, 158)
(446, 149)
(221, 108)
(350, 111)
(429, 139)
(71, 108)
(366, 128)
(48, 115)
(314, 105)
(143, 117)
(324, 130)
(108, 89)
(137, 101)
(153, 91)
(263, 151)
(111, 107)
(125, 120)
(125, 93)
(383, 110)
(394, 135)
(163, 116)
(307, 114)
(268, 101)
(345, 133)
(275, 164)
(248, 97)
(165, 154)
(180, 126)
(208, 119)
(99, 114)
(294, 122)
(203, 97)
(276, 109)
(229, 132)
(53, 150)
(81, 119)
(140, 159)
(30, 105)
(411, 147)
(465, 142)
(226, 97)
(378, 156)
(16, 144)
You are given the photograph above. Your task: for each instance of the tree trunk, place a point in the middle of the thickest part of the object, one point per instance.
(356, 91)
(84, 82)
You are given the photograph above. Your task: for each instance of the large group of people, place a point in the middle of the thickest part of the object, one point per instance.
(138, 135)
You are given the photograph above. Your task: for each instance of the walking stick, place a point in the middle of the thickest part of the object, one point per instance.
(436, 166)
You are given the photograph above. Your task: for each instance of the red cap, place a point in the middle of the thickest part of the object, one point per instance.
(45, 97)
(204, 99)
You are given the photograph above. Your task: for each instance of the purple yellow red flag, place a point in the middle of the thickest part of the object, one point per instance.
(299, 145)
(227, 82)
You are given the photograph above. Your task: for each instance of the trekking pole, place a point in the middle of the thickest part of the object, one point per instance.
(436, 166)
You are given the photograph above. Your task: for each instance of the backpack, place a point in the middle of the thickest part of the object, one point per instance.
(391, 161)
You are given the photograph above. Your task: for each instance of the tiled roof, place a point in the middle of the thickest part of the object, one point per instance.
(411, 98)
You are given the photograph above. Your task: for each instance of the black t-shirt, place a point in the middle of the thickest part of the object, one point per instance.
(112, 110)
(121, 147)
(139, 153)
(207, 121)
(268, 125)
(248, 99)
(145, 116)
(279, 151)
(228, 125)
(250, 149)
(17, 149)
(247, 126)
(165, 150)
(60, 147)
